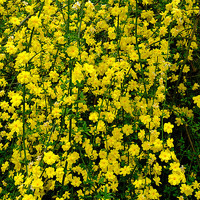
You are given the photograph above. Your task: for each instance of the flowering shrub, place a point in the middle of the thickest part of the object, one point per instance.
(99, 99)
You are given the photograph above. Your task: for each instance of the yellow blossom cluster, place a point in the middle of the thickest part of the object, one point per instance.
(91, 99)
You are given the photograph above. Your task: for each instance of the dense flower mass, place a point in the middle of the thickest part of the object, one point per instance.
(99, 99)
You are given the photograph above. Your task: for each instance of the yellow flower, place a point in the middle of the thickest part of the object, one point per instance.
(111, 33)
(59, 173)
(15, 21)
(115, 11)
(29, 9)
(157, 180)
(4, 166)
(117, 134)
(138, 183)
(145, 119)
(153, 193)
(197, 195)
(163, 31)
(176, 13)
(16, 99)
(72, 158)
(56, 112)
(67, 145)
(126, 170)
(181, 198)
(174, 179)
(141, 135)
(182, 88)
(72, 51)
(18, 179)
(59, 198)
(103, 164)
(146, 145)
(133, 55)
(197, 100)
(175, 167)
(165, 155)
(157, 169)
(101, 126)
(5, 116)
(66, 195)
(127, 129)
(24, 77)
(170, 142)
(110, 176)
(89, 68)
(93, 117)
(179, 121)
(186, 189)
(134, 150)
(50, 172)
(50, 158)
(195, 86)
(37, 183)
(168, 127)
(109, 117)
(196, 185)
(54, 76)
(76, 181)
(22, 58)
(34, 22)
(28, 197)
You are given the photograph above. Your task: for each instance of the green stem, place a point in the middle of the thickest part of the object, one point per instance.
(70, 89)
(186, 54)
(118, 35)
(162, 124)
(139, 52)
(25, 19)
(52, 130)
(70, 132)
(70, 92)
(55, 58)
(29, 44)
(24, 131)
(79, 28)
(68, 7)
(99, 112)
